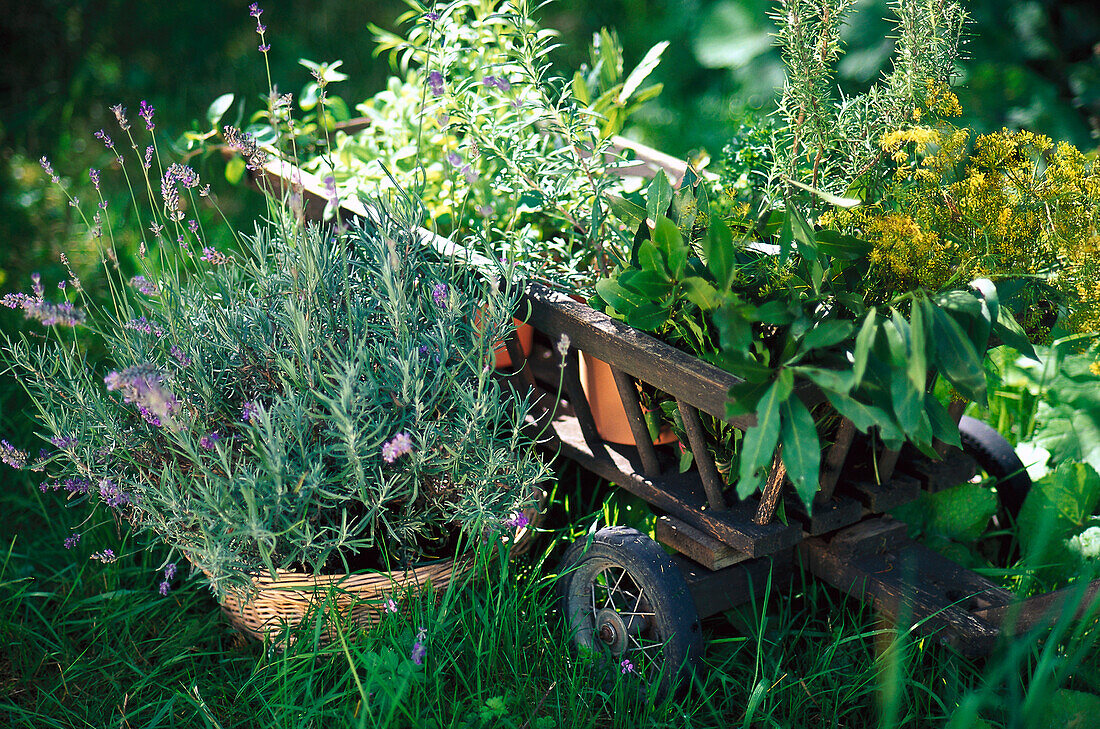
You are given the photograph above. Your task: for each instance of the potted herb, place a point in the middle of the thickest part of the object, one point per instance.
(310, 403)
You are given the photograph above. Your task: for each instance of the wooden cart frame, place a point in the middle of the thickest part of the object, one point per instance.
(724, 546)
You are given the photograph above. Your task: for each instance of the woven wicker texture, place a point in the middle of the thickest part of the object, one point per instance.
(361, 598)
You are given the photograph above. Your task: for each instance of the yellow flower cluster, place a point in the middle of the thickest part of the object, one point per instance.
(1009, 205)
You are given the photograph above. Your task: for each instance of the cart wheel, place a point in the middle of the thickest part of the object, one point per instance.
(623, 596)
(998, 459)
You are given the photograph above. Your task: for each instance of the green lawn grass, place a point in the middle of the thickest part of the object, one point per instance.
(84, 644)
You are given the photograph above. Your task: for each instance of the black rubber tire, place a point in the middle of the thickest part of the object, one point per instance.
(666, 637)
(997, 458)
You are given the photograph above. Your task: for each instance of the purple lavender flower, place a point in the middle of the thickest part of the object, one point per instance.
(12, 456)
(164, 588)
(120, 116)
(518, 520)
(45, 162)
(146, 113)
(103, 137)
(396, 447)
(112, 494)
(179, 355)
(193, 226)
(439, 294)
(36, 285)
(149, 416)
(72, 541)
(77, 485)
(435, 83)
(142, 385)
(247, 145)
(419, 650)
(93, 174)
(63, 442)
(209, 441)
(454, 158)
(48, 315)
(255, 11)
(626, 666)
(175, 175)
(250, 412)
(214, 257)
(106, 556)
(143, 325)
(170, 570)
(431, 17)
(496, 82)
(148, 157)
(145, 286)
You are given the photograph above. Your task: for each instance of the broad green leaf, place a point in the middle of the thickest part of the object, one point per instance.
(650, 259)
(908, 403)
(580, 89)
(775, 312)
(963, 302)
(700, 293)
(641, 71)
(826, 334)
(718, 249)
(803, 233)
(734, 327)
(864, 340)
(841, 381)
(943, 427)
(760, 441)
(658, 197)
(1066, 709)
(630, 213)
(1056, 508)
(621, 299)
(1011, 333)
(957, 358)
(864, 416)
(744, 397)
(741, 365)
(654, 285)
(216, 111)
(840, 202)
(648, 317)
(801, 448)
(667, 239)
(843, 247)
(897, 337)
(917, 368)
(961, 512)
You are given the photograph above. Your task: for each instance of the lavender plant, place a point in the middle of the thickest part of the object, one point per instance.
(317, 400)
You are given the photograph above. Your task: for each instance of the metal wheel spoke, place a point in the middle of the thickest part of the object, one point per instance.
(614, 589)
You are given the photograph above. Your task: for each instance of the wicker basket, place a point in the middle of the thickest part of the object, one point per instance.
(281, 603)
(277, 604)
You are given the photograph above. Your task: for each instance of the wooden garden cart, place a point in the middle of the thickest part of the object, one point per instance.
(622, 593)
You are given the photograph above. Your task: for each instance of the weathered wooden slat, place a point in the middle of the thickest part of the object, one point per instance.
(828, 516)
(714, 592)
(769, 496)
(887, 461)
(834, 460)
(713, 484)
(899, 490)
(871, 536)
(639, 355)
(933, 594)
(583, 413)
(1072, 603)
(689, 541)
(628, 393)
(955, 468)
(680, 495)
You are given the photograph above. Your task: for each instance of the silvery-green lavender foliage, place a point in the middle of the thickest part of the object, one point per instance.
(828, 140)
(317, 396)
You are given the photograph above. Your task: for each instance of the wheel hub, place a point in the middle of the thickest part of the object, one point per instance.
(612, 630)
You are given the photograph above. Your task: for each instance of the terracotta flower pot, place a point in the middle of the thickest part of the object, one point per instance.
(606, 405)
(526, 334)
